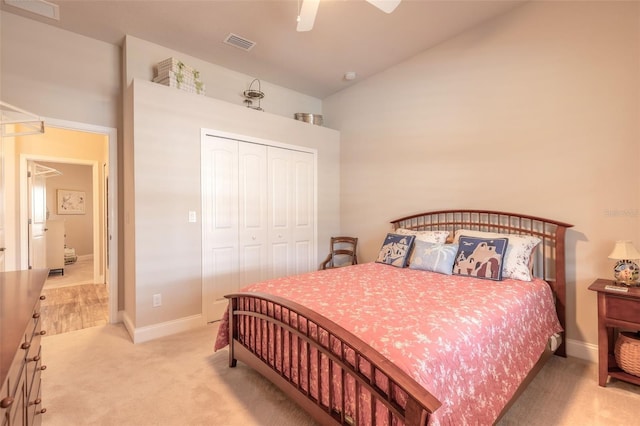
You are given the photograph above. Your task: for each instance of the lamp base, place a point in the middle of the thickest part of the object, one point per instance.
(627, 273)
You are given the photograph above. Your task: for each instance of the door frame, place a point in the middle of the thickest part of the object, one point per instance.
(111, 208)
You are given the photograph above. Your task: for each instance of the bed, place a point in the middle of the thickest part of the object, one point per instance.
(380, 344)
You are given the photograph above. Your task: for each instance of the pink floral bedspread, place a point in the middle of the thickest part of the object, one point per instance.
(470, 342)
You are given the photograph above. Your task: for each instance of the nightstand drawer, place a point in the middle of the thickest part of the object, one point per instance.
(623, 309)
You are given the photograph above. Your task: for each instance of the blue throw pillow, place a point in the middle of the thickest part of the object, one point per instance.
(433, 257)
(396, 250)
(480, 257)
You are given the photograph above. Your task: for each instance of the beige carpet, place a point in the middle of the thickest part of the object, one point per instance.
(96, 376)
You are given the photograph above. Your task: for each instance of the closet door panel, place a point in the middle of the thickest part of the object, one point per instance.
(303, 260)
(279, 174)
(253, 212)
(279, 260)
(219, 224)
(303, 205)
(279, 188)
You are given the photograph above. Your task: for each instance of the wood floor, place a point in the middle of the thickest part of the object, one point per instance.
(70, 307)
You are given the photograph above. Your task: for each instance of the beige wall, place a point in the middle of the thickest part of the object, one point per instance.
(78, 227)
(162, 173)
(61, 75)
(534, 112)
(221, 83)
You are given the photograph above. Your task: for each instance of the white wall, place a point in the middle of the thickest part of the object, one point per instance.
(534, 112)
(164, 250)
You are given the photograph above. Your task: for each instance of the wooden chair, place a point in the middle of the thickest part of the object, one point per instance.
(343, 253)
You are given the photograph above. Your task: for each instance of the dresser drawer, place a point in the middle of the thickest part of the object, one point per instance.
(16, 413)
(623, 309)
(34, 405)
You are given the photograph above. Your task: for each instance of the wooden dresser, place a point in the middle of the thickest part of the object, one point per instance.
(20, 357)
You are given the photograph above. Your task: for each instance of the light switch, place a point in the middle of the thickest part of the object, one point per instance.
(192, 216)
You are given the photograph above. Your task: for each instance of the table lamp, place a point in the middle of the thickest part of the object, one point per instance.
(626, 270)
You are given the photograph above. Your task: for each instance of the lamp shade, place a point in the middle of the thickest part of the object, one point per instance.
(624, 249)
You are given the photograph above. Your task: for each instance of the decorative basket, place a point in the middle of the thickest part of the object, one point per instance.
(627, 352)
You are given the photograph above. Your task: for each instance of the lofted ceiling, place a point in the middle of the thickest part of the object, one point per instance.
(348, 35)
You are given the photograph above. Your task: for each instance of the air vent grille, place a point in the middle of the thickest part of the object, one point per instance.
(239, 42)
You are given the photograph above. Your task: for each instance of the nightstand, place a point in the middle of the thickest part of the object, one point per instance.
(616, 310)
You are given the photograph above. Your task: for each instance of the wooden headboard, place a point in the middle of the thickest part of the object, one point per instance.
(549, 259)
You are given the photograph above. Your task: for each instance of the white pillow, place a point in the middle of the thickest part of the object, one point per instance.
(517, 259)
(438, 237)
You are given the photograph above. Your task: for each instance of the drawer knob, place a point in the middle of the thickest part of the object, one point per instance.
(36, 315)
(6, 402)
(43, 297)
(43, 332)
(44, 410)
(25, 345)
(34, 359)
(44, 367)
(36, 402)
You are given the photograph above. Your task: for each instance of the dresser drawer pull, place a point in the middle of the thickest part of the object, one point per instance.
(6, 402)
(44, 367)
(36, 315)
(44, 410)
(36, 402)
(26, 345)
(43, 297)
(34, 359)
(42, 333)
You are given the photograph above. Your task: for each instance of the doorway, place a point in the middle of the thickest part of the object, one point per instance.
(66, 147)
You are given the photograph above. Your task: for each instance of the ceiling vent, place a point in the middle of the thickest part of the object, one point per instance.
(239, 42)
(39, 7)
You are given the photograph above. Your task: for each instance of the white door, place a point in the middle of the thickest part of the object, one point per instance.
(291, 211)
(257, 216)
(303, 199)
(253, 212)
(37, 188)
(219, 223)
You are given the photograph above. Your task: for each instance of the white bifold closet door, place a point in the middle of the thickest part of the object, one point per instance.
(258, 216)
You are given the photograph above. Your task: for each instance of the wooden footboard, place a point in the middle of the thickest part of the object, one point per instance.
(328, 371)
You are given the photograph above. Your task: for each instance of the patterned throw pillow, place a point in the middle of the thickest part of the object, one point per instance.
(396, 250)
(519, 256)
(428, 236)
(480, 257)
(433, 257)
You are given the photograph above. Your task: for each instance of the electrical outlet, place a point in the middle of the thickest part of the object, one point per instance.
(157, 300)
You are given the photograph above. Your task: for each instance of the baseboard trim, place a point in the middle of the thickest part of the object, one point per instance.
(155, 331)
(582, 350)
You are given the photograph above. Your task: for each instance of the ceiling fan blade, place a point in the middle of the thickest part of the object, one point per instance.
(386, 6)
(307, 14)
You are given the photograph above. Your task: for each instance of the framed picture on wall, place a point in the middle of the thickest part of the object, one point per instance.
(70, 202)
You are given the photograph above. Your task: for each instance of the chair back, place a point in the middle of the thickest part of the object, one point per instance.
(342, 253)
